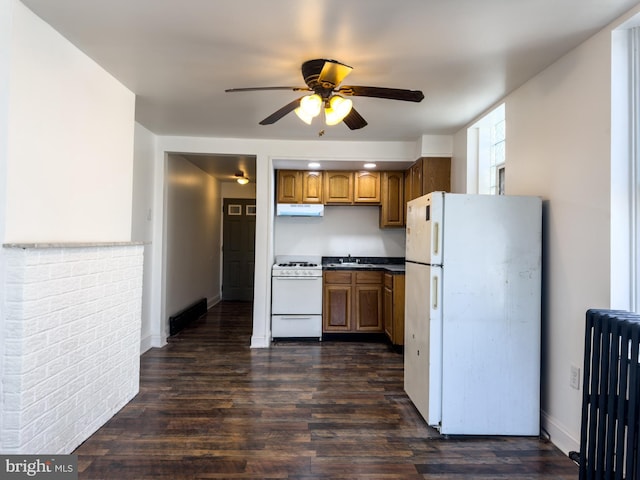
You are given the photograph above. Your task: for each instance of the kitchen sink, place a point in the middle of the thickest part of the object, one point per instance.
(351, 265)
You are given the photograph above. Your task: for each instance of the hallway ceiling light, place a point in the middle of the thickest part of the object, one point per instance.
(241, 179)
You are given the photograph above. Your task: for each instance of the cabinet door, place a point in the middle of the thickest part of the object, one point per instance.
(338, 187)
(368, 308)
(436, 174)
(367, 187)
(289, 186)
(336, 309)
(392, 210)
(398, 310)
(312, 187)
(416, 180)
(388, 313)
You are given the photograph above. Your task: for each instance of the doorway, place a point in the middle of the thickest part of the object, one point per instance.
(238, 248)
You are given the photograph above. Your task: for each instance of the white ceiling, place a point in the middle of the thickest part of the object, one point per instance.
(178, 56)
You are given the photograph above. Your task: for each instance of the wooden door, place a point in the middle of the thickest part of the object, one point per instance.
(368, 305)
(312, 187)
(366, 187)
(336, 308)
(392, 192)
(238, 249)
(436, 174)
(387, 319)
(416, 180)
(289, 186)
(368, 301)
(338, 187)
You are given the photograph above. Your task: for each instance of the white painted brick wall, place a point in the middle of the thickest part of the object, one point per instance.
(71, 343)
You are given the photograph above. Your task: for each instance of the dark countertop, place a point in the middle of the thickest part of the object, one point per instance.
(387, 264)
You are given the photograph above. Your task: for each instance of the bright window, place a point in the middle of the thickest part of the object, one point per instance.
(487, 138)
(497, 167)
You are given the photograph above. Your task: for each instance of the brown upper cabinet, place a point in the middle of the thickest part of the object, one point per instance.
(312, 187)
(414, 183)
(392, 193)
(289, 186)
(426, 175)
(338, 187)
(390, 189)
(296, 186)
(367, 187)
(436, 174)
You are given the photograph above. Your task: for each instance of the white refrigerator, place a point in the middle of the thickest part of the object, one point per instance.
(472, 312)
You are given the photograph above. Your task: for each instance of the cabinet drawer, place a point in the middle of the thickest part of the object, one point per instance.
(369, 277)
(388, 280)
(337, 277)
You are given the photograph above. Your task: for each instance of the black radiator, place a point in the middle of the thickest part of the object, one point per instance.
(184, 317)
(609, 437)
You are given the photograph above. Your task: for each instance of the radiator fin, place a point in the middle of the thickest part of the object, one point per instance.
(610, 402)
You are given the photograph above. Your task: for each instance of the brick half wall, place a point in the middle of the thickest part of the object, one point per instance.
(71, 356)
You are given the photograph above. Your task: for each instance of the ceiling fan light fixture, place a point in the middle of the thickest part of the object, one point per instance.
(309, 108)
(339, 107)
(241, 179)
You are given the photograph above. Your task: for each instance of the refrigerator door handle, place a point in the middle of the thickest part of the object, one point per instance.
(434, 293)
(436, 238)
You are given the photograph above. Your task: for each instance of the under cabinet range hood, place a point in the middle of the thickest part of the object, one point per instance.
(299, 210)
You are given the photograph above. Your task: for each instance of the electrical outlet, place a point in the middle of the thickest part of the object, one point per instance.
(574, 379)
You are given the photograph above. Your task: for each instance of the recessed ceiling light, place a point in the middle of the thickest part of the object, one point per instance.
(314, 165)
(369, 165)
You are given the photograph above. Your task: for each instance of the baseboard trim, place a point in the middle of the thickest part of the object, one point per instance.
(559, 435)
(145, 344)
(260, 342)
(213, 301)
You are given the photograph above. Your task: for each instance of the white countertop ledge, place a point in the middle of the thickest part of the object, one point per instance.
(71, 245)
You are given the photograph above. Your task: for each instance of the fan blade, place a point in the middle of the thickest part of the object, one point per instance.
(381, 92)
(255, 89)
(354, 120)
(333, 73)
(275, 116)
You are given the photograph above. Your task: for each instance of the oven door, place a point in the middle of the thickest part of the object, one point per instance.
(296, 295)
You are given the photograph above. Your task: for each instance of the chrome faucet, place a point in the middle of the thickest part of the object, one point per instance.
(349, 259)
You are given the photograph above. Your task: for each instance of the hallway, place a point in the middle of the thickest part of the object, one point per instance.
(210, 407)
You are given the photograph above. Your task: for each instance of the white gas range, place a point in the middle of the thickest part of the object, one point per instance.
(296, 297)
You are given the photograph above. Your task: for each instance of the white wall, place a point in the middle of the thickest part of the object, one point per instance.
(193, 222)
(5, 35)
(142, 219)
(343, 230)
(559, 147)
(70, 140)
(463, 172)
(235, 190)
(66, 165)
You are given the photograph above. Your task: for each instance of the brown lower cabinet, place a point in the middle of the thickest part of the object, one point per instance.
(394, 307)
(352, 301)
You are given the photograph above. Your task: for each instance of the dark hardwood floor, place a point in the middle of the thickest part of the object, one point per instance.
(210, 407)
